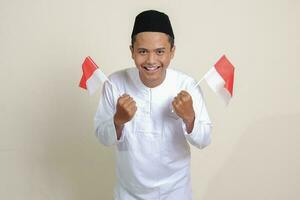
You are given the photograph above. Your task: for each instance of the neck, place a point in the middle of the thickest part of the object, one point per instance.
(153, 84)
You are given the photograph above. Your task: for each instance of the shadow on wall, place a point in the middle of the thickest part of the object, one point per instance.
(264, 165)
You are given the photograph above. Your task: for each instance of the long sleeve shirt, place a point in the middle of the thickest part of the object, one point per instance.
(152, 154)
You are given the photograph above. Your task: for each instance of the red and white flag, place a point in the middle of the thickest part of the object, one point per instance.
(220, 78)
(92, 76)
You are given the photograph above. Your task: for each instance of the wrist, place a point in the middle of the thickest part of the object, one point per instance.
(189, 124)
(117, 122)
(189, 119)
(118, 127)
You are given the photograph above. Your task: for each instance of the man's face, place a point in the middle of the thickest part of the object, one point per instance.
(152, 54)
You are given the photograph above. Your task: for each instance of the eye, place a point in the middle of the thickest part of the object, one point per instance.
(142, 52)
(160, 52)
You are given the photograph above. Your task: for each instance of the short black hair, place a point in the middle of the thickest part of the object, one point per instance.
(171, 40)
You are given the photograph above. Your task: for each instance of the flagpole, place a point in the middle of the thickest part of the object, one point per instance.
(200, 81)
(113, 85)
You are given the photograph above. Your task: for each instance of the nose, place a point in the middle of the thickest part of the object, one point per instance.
(151, 58)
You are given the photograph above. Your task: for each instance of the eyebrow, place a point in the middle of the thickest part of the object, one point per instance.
(144, 49)
(160, 48)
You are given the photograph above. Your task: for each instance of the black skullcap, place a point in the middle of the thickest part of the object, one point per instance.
(152, 21)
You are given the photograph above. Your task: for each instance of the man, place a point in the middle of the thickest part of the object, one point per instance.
(150, 113)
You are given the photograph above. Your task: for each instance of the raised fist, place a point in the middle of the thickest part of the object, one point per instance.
(126, 108)
(183, 106)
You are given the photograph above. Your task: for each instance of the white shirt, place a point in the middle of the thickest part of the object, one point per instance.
(153, 154)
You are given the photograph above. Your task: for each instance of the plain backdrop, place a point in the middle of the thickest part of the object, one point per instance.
(48, 150)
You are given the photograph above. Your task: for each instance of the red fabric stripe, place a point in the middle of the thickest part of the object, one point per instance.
(226, 70)
(88, 68)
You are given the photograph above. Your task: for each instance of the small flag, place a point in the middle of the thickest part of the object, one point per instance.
(92, 76)
(220, 78)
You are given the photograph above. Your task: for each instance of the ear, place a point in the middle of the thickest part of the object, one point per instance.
(131, 50)
(173, 51)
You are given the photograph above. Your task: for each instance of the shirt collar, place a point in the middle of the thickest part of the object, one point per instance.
(136, 78)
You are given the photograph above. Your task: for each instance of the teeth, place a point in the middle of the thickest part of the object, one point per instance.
(151, 68)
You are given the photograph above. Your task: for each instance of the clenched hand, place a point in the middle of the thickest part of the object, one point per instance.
(183, 106)
(125, 110)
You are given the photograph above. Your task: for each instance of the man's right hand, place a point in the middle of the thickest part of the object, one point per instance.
(126, 108)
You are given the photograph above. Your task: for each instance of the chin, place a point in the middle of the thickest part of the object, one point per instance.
(153, 80)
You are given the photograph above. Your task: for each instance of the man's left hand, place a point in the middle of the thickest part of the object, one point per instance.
(183, 106)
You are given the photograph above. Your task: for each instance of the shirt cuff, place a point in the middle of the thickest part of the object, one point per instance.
(194, 131)
(113, 131)
(200, 135)
(108, 133)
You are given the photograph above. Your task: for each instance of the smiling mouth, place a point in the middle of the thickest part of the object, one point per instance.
(152, 68)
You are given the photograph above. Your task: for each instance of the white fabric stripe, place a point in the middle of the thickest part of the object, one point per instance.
(217, 83)
(96, 79)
